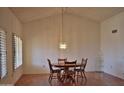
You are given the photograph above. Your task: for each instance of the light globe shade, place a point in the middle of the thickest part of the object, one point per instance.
(62, 46)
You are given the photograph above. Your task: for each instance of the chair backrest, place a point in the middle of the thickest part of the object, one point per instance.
(71, 62)
(84, 63)
(50, 65)
(60, 60)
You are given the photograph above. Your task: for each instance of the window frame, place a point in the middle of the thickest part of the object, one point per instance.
(16, 60)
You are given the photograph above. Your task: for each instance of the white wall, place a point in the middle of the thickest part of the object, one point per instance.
(112, 45)
(10, 23)
(41, 41)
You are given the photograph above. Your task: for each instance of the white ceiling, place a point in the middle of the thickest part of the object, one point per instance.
(98, 14)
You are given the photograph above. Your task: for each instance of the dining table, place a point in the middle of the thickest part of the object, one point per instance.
(66, 70)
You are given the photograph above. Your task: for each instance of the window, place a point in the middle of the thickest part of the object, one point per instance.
(3, 59)
(17, 51)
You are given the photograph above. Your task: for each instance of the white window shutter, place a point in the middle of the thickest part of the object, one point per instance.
(3, 55)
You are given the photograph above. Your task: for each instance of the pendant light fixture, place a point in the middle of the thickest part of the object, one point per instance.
(62, 44)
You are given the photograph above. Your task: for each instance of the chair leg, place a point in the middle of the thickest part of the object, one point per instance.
(81, 74)
(77, 75)
(74, 75)
(84, 75)
(58, 76)
(50, 77)
(73, 78)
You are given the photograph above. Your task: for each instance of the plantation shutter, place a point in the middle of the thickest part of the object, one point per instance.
(3, 55)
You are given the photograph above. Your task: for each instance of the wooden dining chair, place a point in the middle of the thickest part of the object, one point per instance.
(71, 71)
(61, 61)
(53, 71)
(81, 69)
(71, 62)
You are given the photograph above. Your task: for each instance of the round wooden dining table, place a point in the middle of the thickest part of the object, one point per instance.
(66, 65)
(66, 70)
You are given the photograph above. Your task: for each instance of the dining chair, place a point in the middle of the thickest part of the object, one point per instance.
(81, 69)
(53, 71)
(60, 60)
(71, 70)
(71, 62)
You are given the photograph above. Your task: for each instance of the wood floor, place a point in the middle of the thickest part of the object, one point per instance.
(93, 79)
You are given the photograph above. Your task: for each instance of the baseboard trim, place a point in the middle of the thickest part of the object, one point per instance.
(114, 76)
(95, 71)
(38, 74)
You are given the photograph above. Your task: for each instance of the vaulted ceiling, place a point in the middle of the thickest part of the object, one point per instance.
(27, 14)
